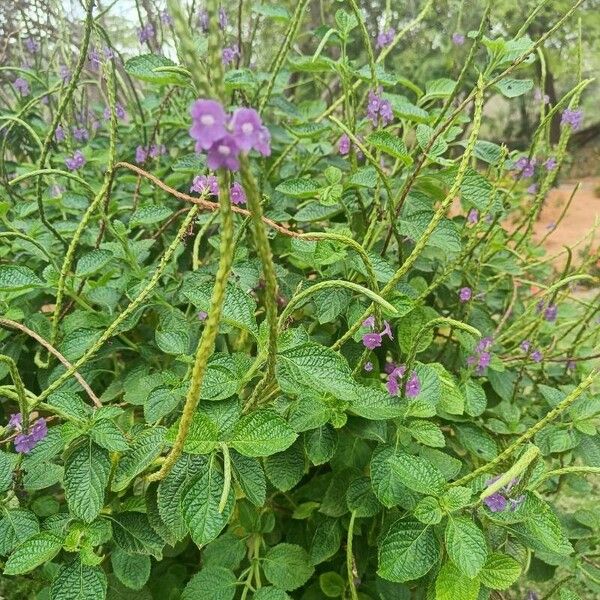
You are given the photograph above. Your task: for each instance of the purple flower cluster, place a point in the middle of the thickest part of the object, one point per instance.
(473, 216)
(500, 500)
(154, 151)
(550, 311)
(372, 339)
(146, 33)
(573, 118)
(209, 183)
(237, 193)
(378, 109)
(228, 55)
(482, 357)
(25, 441)
(59, 134)
(81, 134)
(224, 137)
(458, 39)
(539, 96)
(65, 74)
(550, 164)
(526, 166)
(166, 18)
(76, 161)
(395, 374)
(385, 38)
(344, 145)
(203, 19)
(535, 354)
(119, 111)
(32, 45)
(21, 86)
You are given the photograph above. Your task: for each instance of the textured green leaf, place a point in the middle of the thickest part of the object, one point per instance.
(261, 433)
(417, 474)
(91, 262)
(132, 533)
(132, 570)
(465, 545)
(202, 437)
(144, 449)
(285, 469)
(16, 526)
(106, 434)
(77, 581)
(320, 444)
(211, 583)
(142, 67)
(326, 540)
(7, 464)
(287, 566)
(428, 511)
(299, 188)
(14, 278)
(361, 499)
(224, 375)
(407, 551)
(148, 214)
(390, 144)
(452, 584)
(250, 475)
(200, 505)
(87, 470)
(376, 404)
(38, 549)
(500, 571)
(445, 236)
(386, 483)
(511, 88)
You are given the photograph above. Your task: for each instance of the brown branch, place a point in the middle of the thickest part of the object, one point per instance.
(14, 325)
(204, 204)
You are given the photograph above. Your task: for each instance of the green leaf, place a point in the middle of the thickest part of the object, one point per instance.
(426, 432)
(211, 583)
(285, 469)
(390, 144)
(38, 549)
(238, 309)
(16, 526)
(386, 483)
(261, 433)
(315, 367)
(143, 67)
(376, 404)
(299, 188)
(132, 533)
(452, 584)
(445, 236)
(132, 570)
(270, 593)
(144, 449)
(407, 551)
(477, 441)
(273, 11)
(171, 489)
(87, 470)
(149, 214)
(92, 262)
(287, 566)
(202, 437)
(7, 464)
(106, 434)
(332, 584)
(466, 545)
(326, 540)
(511, 88)
(200, 505)
(417, 474)
(364, 177)
(14, 278)
(224, 374)
(320, 444)
(77, 581)
(250, 475)
(361, 499)
(500, 571)
(428, 511)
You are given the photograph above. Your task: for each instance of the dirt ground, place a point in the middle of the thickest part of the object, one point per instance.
(578, 222)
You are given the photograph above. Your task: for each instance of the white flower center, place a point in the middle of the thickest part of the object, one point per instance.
(224, 150)
(247, 128)
(207, 120)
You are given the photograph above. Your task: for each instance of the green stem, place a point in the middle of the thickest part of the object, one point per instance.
(226, 477)
(350, 558)
(531, 432)
(19, 387)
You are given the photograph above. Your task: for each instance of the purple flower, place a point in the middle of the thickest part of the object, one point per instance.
(464, 294)
(368, 366)
(532, 189)
(166, 18)
(119, 112)
(237, 193)
(551, 313)
(525, 345)
(203, 20)
(369, 322)
(484, 344)
(525, 166)
(202, 315)
(344, 145)
(263, 144)
(56, 190)
(81, 134)
(26, 441)
(372, 340)
(413, 386)
(39, 430)
(378, 109)
(59, 134)
(76, 162)
(65, 74)
(539, 307)
(222, 18)
(32, 45)
(473, 216)
(224, 154)
(246, 126)
(458, 39)
(208, 123)
(574, 118)
(228, 54)
(496, 502)
(392, 384)
(387, 330)
(146, 33)
(550, 164)
(15, 421)
(571, 364)
(21, 86)
(484, 361)
(157, 150)
(108, 52)
(538, 96)
(205, 183)
(385, 38)
(94, 58)
(536, 356)
(140, 155)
